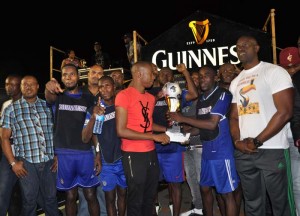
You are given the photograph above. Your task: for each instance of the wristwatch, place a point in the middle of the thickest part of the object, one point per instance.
(257, 142)
(12, 164)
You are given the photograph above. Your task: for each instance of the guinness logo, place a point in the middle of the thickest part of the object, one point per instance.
(200, 30)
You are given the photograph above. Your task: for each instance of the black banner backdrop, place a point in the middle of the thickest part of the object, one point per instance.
(203, 39)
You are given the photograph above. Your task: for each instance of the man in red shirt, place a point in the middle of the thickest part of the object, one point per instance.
(134, 109)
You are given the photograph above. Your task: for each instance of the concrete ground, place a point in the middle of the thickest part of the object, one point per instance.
(163, 198)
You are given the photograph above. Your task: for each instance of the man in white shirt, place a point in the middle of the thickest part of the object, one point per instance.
(262, 105)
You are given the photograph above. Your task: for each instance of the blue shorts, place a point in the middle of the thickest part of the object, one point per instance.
(75, 168)
(112, 174)
(171, 166)
(221, 174)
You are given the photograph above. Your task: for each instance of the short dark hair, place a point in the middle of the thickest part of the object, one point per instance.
(210, 69)
(106, 77)
(250, 35)
(18, 76)
(70, 65)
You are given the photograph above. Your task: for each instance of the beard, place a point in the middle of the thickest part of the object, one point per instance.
(71, 88)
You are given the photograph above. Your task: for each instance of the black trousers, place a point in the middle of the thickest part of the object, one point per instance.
(142, 175)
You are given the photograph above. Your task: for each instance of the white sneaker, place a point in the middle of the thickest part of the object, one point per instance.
(171, 208)
(197, 211)
(194, 212)
(157, 207)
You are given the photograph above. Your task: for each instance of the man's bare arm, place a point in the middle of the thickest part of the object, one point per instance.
(209, 124)
(124, 132)
(6, 146)
(234, 122)
(51, 90)
(284, 101)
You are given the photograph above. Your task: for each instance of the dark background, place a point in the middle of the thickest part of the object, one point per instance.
(28, 31)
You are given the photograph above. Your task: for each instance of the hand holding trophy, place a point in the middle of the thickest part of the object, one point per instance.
(172, 93)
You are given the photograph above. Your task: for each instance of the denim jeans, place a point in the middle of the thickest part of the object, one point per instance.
(192, 167)
(39, 179)
(83, 208)
(295, 169)
(8, 180)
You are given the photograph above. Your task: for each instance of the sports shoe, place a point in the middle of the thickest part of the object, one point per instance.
(157, 207)
(193, 212)
(171, 207)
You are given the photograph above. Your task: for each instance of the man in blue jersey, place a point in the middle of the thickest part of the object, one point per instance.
(217, 163)
(76, 166)
(170, 156)
(112, 174)
(92, 88)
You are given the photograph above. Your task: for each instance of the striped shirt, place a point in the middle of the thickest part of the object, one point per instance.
(32, 129)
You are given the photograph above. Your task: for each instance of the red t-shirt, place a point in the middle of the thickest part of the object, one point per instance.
(139, 108)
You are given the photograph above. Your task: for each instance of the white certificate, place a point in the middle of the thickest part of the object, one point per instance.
(178, 137)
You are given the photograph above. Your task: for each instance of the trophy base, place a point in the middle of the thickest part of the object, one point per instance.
(174, 129)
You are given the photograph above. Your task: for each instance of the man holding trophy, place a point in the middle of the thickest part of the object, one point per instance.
(168, 96)
(217, 164)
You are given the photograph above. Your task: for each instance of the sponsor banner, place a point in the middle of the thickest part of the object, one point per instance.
(202, 39)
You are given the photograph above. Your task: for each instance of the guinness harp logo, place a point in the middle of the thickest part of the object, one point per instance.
(200, 30)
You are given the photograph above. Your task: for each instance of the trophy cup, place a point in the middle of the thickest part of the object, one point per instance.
(172, 93)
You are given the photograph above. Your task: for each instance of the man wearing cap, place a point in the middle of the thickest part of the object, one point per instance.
(99, 57)
(130, 48)
(290, 59)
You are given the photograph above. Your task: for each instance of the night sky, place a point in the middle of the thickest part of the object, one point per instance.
(27, 34)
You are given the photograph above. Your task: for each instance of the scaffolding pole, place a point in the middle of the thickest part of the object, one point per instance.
(273, 36)
(273, 33)
(135, 36)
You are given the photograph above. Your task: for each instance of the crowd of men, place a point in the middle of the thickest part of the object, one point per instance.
(243, 125)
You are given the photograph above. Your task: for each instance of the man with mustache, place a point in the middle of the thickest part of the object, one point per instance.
(76, 166)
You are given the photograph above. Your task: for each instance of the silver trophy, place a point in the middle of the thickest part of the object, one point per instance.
(172, 93)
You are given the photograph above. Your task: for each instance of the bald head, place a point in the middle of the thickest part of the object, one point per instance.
(140, 67)
(142, 74)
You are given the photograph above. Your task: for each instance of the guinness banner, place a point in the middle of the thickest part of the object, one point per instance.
(202, 39)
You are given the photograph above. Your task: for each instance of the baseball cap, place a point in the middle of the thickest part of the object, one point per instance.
(128, 35)
(289, 56)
